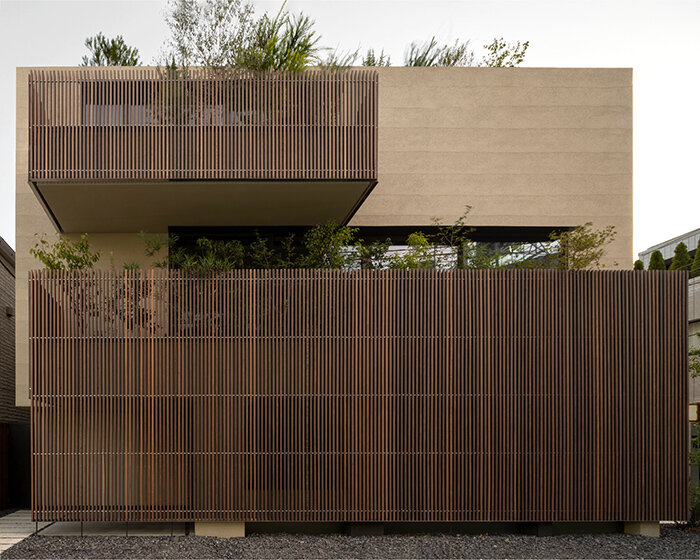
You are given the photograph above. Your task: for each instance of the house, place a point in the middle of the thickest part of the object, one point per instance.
(667, 249)
(336, 396)
(14, 420)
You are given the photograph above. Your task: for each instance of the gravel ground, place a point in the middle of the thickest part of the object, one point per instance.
(674, 543)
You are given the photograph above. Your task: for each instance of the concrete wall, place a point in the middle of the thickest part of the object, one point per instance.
(523, 147)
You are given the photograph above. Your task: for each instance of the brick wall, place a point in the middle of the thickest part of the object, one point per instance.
(8, 411)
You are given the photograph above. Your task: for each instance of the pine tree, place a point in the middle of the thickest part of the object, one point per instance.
(110, 52)
(656, 262)
(681, 258)
(695, 267)
(638, 265)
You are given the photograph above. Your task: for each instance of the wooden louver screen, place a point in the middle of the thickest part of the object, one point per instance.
(144, 124)
(367, 395)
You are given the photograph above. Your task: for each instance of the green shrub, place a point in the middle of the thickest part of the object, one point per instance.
(694, 505)
(327, 246)
(65, 254)
(260, 254)
(638, 265)
(209, 256)
(656, 261)
(335, 247)
(420, 253)
(695, 267)
(681, 258)
(373, 256)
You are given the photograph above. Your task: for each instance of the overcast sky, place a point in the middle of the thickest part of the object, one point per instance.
(659, 39)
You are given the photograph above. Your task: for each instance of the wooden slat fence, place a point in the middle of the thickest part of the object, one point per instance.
(149, 124)
(359, 395)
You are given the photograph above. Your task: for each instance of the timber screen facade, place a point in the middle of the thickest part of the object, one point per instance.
(359, 395)
(150, 124)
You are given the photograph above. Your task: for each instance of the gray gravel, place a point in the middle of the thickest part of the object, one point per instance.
(674, 543)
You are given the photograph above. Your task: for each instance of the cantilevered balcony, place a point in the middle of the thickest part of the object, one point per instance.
(121, 150)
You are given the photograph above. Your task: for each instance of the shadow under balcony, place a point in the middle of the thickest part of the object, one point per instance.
(118, 150)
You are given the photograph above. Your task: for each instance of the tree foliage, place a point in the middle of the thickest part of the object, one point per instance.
(337, 60)
(681, 258)
(695, 267)
(65, 254)
(285, 42)
(656, 261)
(420, 253)
(210, 34)
(209, 256)
(504, 55)
(431, 53)
(373, 59)
(327, 246)
(109, 52)
(373, 256)
(422, 54)
(159, 247)
(261, 255)
(583, 247)
(458, 54)
(225, 34)
(638, 265)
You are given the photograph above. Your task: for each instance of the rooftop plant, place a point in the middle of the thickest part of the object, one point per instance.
(226, 34)
(110, 52)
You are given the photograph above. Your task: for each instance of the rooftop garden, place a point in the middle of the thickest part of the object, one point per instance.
(228, 34)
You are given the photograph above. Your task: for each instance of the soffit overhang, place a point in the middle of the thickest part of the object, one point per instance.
(119, 150)
(114, 207)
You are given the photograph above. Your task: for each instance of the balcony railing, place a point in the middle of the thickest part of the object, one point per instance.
(146, 124)
(359, 396)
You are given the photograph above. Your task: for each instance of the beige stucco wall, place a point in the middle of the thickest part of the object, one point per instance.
(522, 146)
(32, 222)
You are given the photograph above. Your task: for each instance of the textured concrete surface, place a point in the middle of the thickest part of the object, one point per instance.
(17, 526)
(100, 529)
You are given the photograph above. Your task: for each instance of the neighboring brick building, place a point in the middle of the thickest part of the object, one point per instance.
(14, 420)
(9, 413)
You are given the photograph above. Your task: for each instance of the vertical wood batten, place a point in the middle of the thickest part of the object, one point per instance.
(329, 395)
(144, 125)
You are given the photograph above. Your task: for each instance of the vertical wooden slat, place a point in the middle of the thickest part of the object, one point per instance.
(99, 124)
(303, 395)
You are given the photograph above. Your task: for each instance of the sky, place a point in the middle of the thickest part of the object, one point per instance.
(658, 39)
